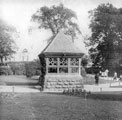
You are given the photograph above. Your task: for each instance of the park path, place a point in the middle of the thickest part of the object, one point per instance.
(18, 84)
(106, 87)
(19, 89)
(117, 86)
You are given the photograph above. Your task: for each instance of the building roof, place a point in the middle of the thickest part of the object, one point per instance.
(61, 44)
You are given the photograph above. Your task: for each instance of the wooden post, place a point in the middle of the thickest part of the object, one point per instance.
(69, 70)
(46, 65)
(79, 66)
(58, 65)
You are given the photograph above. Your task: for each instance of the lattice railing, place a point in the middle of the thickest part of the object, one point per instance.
(63, 65)
(63, 61)
(52, 61)
(74, 61)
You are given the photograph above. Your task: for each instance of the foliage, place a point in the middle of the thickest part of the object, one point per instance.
(56, 18)
(83, 72)
(43, 70)
(5, 70)
(77, 92)
(18, 68)
(7, 44)
(92, 70)
(106, 38)
(85, 60)
(25, 68)
(33, 68)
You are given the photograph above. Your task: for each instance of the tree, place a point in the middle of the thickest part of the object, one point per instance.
(7, 44)
(56, 18)
(106, 37)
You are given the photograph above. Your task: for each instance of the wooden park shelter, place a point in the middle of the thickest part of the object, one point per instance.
(61, 61)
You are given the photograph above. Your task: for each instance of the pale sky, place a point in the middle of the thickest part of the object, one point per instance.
(19, 12)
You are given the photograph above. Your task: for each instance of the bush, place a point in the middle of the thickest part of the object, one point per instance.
(85, 60)
(92, 70)
(18, 68)
(30, 69)
(25, 68)
(5, 70)
(76, 92)
(33, 68)
(83, 72)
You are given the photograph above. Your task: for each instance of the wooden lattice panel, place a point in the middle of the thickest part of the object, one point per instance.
(63, 61)
(74, 61)
(52, 61)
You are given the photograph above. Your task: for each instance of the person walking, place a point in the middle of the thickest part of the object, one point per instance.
(115, 76)
(106, 72)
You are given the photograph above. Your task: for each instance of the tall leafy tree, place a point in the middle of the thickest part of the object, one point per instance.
(106, 37)
(56, 18)
(7, 44)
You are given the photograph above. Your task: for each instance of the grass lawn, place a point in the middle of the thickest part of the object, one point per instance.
(18, 80)
(23, 80)
(40, 106)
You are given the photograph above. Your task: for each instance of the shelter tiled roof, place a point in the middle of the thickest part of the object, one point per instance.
(62, 44)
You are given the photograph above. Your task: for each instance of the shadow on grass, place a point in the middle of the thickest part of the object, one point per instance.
(107, 96)
(120, 86)
(21, 84)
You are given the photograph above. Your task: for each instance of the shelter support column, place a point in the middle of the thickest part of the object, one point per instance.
(57, 65)
(79, 66)
(69, 70)
(46, 65)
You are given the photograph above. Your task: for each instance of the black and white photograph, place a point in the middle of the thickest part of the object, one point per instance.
(60, 60)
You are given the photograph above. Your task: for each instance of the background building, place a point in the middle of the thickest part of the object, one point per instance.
(20, 56)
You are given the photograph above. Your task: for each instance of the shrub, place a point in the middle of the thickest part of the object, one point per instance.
(85, 60)
(5, 70)
(18, 68)
(33, 68)
(76, 92)
(30, 69)
(83, 72)
(92, 70)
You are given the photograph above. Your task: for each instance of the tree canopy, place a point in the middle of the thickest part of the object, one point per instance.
(7, 44)
(56, 18)
(106, 37)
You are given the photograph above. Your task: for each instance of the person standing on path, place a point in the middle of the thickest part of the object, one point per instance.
(115, 76)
